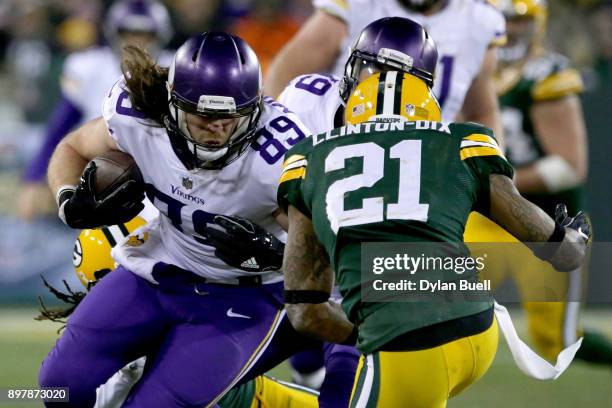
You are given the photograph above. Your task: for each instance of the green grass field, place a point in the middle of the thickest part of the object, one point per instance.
(24, 343)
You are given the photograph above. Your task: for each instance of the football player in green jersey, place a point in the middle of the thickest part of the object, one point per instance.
(547, 144)
(394, 173)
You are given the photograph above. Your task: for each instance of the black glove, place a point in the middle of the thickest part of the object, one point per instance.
(580, 222)
(80, 208)
(245, 245)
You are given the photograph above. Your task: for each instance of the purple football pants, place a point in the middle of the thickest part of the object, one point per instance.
(198, 345)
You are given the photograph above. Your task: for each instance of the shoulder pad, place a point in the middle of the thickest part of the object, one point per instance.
(553, 77)
(488, 23)
(118, 113)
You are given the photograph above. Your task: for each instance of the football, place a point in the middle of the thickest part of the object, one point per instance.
(112, 170)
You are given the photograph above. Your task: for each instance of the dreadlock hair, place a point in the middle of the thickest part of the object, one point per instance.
(60, 315)
(146, 82)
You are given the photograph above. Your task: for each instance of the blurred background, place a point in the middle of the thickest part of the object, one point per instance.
(36, 36)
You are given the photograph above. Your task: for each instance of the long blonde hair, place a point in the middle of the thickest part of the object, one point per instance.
(146, 82)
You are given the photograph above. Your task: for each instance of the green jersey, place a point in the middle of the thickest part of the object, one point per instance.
(391, 182)
(543, 78)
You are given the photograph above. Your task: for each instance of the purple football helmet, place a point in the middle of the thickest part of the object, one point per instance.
(390, 44)
(215, 75)
(147, 16)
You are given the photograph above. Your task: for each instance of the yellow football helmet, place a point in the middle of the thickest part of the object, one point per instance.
(91, 256)
(392, 95)
(536, 10)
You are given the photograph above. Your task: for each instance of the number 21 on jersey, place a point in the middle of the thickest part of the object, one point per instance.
(374, 209)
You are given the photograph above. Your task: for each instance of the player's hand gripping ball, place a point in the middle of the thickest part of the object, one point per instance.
(110, 191)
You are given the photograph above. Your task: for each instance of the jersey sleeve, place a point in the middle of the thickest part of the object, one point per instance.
(293, 175)
(559, 81)
(482, 155)
(489, 24)
(121, 118)
(337, 8)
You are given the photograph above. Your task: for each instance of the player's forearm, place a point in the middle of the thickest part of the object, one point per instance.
(529, 223)
(549, 174)
(481, 104)
(313, 49)
(521, 218)
(65, 167)
(324, 321)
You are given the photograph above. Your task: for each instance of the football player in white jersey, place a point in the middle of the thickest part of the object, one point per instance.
(208, 146)
(92, 261)
(465, 32)
(86, 78)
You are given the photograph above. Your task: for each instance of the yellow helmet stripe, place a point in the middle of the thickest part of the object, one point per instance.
(390, 94)
(115, 234)
(389, 97)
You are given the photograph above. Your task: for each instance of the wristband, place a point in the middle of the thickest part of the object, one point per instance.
(305, 296)
(558, 234)
(62, 195)
(548, 250)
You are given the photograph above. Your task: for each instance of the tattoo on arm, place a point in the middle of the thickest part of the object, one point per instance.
(306, 267)
(305, 263)
(523, 219)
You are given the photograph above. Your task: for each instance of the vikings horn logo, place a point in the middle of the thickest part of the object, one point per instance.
(187, 183)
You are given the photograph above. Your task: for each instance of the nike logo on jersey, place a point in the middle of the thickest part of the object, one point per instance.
(250, 263)
(230, 313)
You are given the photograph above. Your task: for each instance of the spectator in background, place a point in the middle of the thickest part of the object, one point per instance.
(194, 16)
(30, 61)
(267, 28)
(86, 78)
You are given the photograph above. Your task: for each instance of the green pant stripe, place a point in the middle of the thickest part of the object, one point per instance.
(373, 399)
(360, 381)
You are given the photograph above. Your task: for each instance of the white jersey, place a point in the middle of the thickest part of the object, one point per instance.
(88, 75)
(189, 200)
(315, 99)
(462, 31)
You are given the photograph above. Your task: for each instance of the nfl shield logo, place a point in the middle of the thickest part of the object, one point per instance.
(187, 183)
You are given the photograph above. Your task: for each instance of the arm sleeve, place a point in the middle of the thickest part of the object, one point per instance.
(564, 82)
(65, 117)
(121, 118)
(292, 179)
(480, 152)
